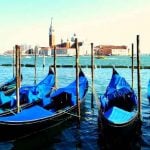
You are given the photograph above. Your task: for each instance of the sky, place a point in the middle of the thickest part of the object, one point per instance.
(115, 22)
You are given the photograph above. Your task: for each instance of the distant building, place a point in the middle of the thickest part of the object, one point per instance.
(28, 50)
(45, 51)
(64, 44)
(24, 50)
(8, 52)
(60, 51)
(111, 50)
(66, 48)
(51, 36)
(85, 49)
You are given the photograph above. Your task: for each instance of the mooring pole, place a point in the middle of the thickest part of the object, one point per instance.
(18, 76)
(43, 60)
(55, 67)
(77, 80)
(132, 63)
(138, 76)
(92, 74)
(35, 63)
(13, 61)
(20, 65)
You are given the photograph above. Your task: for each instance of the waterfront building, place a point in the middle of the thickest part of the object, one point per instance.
(111, 50)
(68, 48)
(45, 51)
(85, 49)
(63, 51)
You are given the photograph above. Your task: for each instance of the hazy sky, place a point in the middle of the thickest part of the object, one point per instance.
(98, 21)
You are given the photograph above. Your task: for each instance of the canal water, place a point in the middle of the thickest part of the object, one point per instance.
(68, 135)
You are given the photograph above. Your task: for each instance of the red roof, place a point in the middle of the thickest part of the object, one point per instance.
(113, 46)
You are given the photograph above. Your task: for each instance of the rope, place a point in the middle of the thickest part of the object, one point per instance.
(11, 111)
(95, 97)
(97, 103)
(64, 111)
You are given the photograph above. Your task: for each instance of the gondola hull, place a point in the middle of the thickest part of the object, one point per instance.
(118, 109)
(13, 131)
(126, 129)
(120, 137)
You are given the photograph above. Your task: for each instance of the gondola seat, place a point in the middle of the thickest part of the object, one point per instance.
(117, 115)
(61, 101)
(33, 113)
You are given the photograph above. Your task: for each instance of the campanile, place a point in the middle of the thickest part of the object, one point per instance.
(51, 35)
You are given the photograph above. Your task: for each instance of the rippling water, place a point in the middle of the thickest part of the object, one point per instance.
(68, 136)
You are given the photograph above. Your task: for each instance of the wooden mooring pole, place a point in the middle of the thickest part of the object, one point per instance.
(19, 66)
(132, 64)
(17, 47)
(138, 76)
(35, 63)
(13, 61)
(77, 80)
(55, 67)
(43, 60)
(92, 74)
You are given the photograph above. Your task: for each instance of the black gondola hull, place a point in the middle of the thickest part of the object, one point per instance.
(125, 129)
(12, 131)
(120, 136)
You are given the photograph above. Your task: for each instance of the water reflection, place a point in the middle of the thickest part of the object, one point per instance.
(43, 140)
(115, 141)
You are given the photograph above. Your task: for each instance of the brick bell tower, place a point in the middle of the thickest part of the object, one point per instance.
(51, 35)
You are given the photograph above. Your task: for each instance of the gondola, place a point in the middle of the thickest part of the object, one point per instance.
(148, 91)
(60, 106)
(118, 107)
(29, 94)
(9, 86)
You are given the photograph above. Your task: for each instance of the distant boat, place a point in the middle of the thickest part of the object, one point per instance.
(118, 109)
(100, 57)
(28, 57)
(63, 55)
